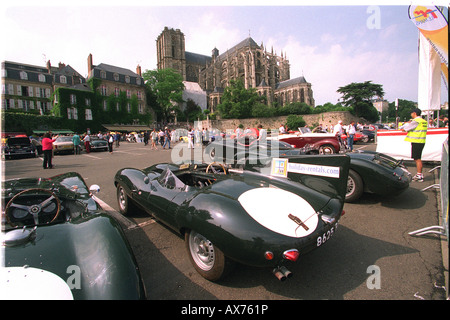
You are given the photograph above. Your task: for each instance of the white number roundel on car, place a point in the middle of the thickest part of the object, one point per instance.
(280, 211)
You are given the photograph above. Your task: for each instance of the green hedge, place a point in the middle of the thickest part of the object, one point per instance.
(25, 122)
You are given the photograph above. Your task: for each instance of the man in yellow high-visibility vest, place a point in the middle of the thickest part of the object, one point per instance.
(417, 133)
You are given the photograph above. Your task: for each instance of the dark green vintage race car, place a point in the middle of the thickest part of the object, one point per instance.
(370, 172)
(59, 244)
(262, 217)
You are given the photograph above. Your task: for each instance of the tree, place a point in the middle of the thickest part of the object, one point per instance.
(167, 85)
(238, 102)
(404, 110)
(294, 122)
(359, 96)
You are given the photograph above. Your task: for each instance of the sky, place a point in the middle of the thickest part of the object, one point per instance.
(330, 45)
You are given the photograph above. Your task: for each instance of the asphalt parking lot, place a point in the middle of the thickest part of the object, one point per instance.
(370, 257)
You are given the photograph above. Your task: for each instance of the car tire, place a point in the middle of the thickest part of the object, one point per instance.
(124, 202)
(355, 186)
(207, 259)
(326, 149)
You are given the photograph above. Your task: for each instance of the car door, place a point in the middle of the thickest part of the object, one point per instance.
(162, 197)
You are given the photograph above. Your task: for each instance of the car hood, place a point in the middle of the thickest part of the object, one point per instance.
(63, 143)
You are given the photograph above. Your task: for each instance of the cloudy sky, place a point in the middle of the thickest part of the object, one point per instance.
(331, 46)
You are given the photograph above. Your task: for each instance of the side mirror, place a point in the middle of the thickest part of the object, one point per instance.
(95, 188)
(146, 180)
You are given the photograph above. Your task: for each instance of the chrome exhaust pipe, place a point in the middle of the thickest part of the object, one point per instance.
(282, 273)
(286, 272)
(280, 276)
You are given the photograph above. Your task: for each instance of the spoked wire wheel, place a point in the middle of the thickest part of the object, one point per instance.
(208, 260)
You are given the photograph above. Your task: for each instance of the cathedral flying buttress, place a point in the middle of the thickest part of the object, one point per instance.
(257, 68)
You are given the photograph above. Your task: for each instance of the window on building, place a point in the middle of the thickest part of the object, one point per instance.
(24, 91)
(72, 113)
(103, 74)
(41, 78)
(127, 79)
(88, 101)
(116, 92)
(23, 75)
(73, 99)
(63, 79)
(103, 90)
(88, 114)
(116, 77)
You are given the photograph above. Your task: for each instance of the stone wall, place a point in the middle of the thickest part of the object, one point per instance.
(312, 120)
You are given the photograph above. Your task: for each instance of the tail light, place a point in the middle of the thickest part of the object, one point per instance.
(268, 255)
(291, 255)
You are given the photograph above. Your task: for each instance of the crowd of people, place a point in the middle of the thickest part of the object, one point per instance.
(165, 138)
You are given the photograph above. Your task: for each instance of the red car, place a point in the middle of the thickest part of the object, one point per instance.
(358, 136)
(326, 143)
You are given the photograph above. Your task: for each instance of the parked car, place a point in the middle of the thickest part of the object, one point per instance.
(19, 146)
(253, 215)
(369, 133)
(58, 243)
(326, 143)
(63, 144)
(374, 172)
(98, 144)
(38, 145)
(358, 136)
(237, 150)
(369, 172)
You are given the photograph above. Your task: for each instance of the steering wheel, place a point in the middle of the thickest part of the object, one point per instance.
(33, 209)
(218, 164)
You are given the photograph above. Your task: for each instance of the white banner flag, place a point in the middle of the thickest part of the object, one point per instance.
(429, 95)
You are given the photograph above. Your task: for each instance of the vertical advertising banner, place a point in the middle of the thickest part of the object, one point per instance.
(429, 93)
(434, 27)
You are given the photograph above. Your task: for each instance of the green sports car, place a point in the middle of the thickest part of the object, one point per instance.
(264, 216)
(59, 244)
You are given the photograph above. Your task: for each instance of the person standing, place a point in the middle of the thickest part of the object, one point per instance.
(416, 134)
(351, 134)
(47, 149)
(338, 131)
(76, 143)
(191, 138)
(154, 137)
(117, 139)
(146, 136)
(166, 138)
(87, 143)
(262, 134)
(110, 140)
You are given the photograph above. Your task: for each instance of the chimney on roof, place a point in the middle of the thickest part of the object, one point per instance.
(61, 66)
(138, 70)
(49, 67)
(90, 65)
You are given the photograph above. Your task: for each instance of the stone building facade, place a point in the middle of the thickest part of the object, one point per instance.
(114, 80)
(253, 64)
(29, 88)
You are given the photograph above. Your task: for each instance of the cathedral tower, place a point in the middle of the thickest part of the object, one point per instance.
(170, 51)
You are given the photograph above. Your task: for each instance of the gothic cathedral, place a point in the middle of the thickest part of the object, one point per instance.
(248, 61)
